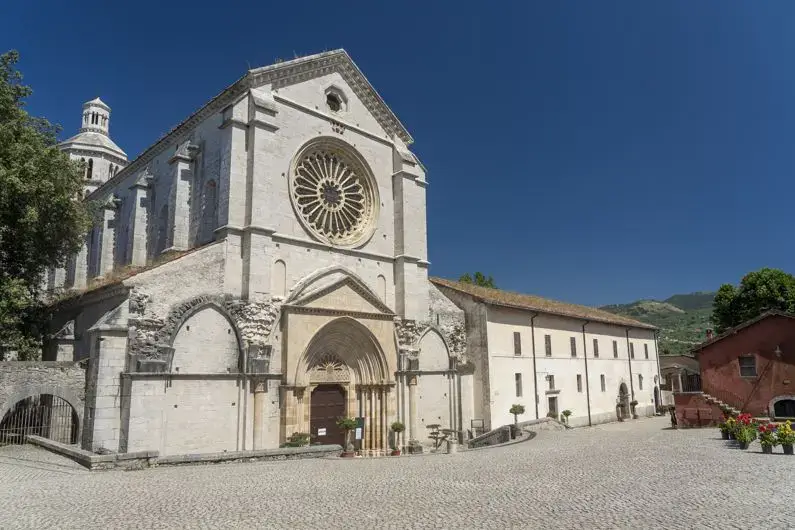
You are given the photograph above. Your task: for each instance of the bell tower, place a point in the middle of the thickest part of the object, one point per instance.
(96, 117)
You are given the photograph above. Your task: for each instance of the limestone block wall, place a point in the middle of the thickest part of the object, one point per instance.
(20, 380)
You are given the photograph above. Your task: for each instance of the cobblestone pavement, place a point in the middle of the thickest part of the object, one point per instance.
(635, 474)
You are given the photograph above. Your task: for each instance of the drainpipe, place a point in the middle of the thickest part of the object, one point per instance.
(629, 360)
(657, 354)
(587, 384)
(535, 373)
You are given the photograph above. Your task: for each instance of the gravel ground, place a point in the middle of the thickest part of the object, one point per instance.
(636, 474)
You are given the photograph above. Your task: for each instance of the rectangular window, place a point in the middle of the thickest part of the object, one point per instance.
(518, 378)
(517, 343)
(646, 350)
(548, 345)
(596, 347)
(640, 382)
(579, 383)
(747, 366)
(602, 381)
(551, 379)
(631, 350)
(573, 342)
(615, 349)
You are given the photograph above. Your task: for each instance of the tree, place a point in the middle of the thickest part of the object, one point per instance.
(759, 291)
(41, 222)
(479, 279)
(516, 410)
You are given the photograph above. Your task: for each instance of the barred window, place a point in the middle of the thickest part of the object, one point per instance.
(596, 347)
(548, 345)
(573, 341)
(747, 366)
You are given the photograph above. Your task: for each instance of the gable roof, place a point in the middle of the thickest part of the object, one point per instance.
(538, 304)
(740, 327)
(679, 361)
(281, 73)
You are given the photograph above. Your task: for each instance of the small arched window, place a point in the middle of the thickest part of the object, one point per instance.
(90, 171)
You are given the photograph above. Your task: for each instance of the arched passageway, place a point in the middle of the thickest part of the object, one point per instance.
(42, 415)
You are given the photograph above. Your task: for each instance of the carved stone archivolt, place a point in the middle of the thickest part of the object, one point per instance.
(150, 335)
(408, 333)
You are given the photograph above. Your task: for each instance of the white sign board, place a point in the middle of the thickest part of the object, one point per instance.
(358, 433)
(321, 432)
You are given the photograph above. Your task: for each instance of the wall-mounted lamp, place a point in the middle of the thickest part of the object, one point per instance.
(777, 351)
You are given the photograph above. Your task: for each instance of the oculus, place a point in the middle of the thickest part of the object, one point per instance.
(334, 193)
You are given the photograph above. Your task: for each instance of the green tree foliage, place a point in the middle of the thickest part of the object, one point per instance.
(41, 223)
(479, 279)
(758, 292)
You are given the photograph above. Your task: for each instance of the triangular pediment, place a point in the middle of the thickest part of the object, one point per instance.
(346, 295)
(289, 73)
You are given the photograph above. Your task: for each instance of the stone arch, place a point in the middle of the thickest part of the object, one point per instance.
(329, 275)
(353, 344)
(29, 390)
(279, 278)
(431, 345)
(785, 404)
(181, 319)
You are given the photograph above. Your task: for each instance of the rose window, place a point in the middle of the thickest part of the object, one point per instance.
(333, 193)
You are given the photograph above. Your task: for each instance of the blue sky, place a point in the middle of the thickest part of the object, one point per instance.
(592, 152)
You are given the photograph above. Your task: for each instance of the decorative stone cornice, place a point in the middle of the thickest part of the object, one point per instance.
(289, 308)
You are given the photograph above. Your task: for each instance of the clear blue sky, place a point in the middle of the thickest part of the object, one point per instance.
(592, 152)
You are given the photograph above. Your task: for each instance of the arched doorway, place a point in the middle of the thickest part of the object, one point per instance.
(657, 400)
(623, 400)
(784, 408)
(327, 404)
(42, 415)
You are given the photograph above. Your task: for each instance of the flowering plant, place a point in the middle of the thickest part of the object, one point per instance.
(767, 435)
(730, 424)
(784, 434)
(745, 431)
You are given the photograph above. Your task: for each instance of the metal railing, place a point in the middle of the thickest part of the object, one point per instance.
(42, 415)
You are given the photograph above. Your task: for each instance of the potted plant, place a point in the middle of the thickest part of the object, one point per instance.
(566, 413)
(786, 437)
(767, 437)
(397, 428)
(745, 432)
(347, 425)
(724, 429)
(731, 426)
(516, 409)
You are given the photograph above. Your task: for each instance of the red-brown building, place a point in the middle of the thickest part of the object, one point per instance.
(750, 368)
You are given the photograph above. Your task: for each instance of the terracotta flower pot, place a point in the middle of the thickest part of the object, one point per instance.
(724, 435)
(787, 449)
(767, 449)
(396, 452)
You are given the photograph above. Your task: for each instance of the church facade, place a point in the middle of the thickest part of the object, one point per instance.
(260, 271)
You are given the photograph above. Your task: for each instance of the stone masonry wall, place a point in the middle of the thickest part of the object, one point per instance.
(20, 380)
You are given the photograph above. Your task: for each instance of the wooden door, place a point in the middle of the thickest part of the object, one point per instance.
(327, 405)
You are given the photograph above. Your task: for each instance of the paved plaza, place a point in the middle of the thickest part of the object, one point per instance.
(636, 474)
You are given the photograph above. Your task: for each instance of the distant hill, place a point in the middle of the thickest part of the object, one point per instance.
(683, 319)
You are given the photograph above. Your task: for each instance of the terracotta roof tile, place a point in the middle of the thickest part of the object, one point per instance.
(542, 305)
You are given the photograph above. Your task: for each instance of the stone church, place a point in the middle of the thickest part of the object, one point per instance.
(259, 271)
(262, 270)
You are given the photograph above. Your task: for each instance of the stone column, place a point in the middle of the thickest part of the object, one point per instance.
(413, 408)
(178, 232)
(679, 378)
(104, 389)
(371, 419)
(108, 237)
(139, 226)
(260, 397)
(379, 413)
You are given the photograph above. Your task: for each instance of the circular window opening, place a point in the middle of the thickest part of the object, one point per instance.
(334, 103)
